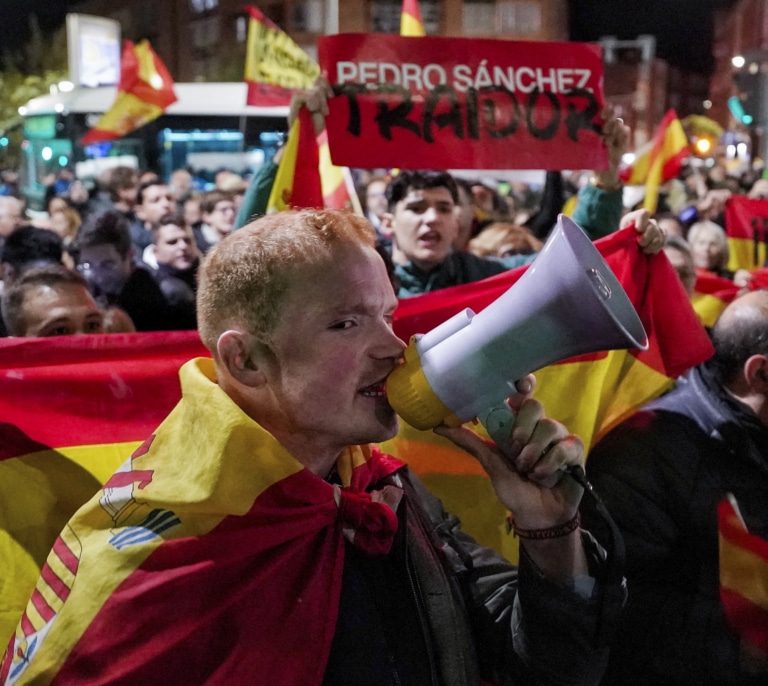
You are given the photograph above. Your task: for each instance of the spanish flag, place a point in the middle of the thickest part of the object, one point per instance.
(297, 182)
(306, 176)
(169, 564)
(660, 160)
(74, 409)
(589, 394)
(144, 92)
(711, 295)
(275, 66)
(746, 224)
(743, 577)
(410, 19)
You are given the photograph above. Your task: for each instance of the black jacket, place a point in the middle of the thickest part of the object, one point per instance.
(662, 474)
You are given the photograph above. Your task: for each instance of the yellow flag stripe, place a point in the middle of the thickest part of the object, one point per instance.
(744, 573)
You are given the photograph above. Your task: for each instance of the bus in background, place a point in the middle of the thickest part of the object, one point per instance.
(209, 128)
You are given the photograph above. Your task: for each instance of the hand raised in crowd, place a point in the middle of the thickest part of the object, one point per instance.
(315, 99)
(615, 134)
(651, 236)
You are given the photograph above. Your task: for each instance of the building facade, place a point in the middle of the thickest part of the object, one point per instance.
(204, 40)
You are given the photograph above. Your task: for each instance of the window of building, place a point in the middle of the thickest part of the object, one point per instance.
(307, 16)
(204, 33)
(503, 16)
(199, 6)
(385, 15)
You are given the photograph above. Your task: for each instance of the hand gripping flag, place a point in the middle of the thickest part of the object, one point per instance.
(743, 577)
(410, 19)
(660, 160)
(144, 92)
(275, 67)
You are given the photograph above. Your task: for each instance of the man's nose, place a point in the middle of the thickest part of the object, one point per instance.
(430, 215)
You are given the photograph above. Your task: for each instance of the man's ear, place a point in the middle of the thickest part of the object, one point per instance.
(236, 357)
(756, 374)
(387, 225)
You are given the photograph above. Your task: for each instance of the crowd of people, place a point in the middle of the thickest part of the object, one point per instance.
(356, 575)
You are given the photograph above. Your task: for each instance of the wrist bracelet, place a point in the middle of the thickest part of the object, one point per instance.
(543, 534)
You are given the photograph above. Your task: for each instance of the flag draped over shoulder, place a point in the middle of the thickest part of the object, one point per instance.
(659, 161)
(589, 394)
(227, 566)
(410, 19)
(275, 66)
(144, 92)
(746, 225)
(743, 577)
(73, 409)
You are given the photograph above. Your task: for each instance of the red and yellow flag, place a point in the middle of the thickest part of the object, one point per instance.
(746, 224)
(589, 394)
(743, 577)
(144, 92)
(275, 66)
(297, 182)
(306, 176)
(73, 409)
(410, 19)
(660, 160)
(175, 559)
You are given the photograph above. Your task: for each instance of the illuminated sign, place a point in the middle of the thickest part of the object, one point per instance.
(94, 50)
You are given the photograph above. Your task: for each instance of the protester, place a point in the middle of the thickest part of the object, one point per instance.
(709, 245)
(177, 259)
(375, 200)
(257, 537)
(50, 301)
(662, 474)
(11, 215)
(117, 320)
(218, 217)
(28, 246)
(153, 201)
(423, 224)
(107, 260)
(502, 239)
(679, 254)
(122, 185)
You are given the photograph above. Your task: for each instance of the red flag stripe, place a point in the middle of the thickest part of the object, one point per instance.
(42, 606)
(67, 557)
(55, 582)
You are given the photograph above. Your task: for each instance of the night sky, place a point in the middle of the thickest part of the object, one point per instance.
(683, 28)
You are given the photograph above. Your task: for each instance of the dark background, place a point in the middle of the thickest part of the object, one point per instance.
(683, 28)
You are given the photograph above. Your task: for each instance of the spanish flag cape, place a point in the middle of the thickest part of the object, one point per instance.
(211, 553)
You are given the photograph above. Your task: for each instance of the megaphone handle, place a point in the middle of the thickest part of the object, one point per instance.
(499, 422)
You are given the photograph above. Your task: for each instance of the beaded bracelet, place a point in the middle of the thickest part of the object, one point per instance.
(543, 534)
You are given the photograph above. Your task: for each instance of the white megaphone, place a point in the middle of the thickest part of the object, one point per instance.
(567, 303)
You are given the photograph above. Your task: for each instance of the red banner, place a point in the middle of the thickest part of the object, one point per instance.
(486, 104)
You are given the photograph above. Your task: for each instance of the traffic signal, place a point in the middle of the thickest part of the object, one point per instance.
(749, 105)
